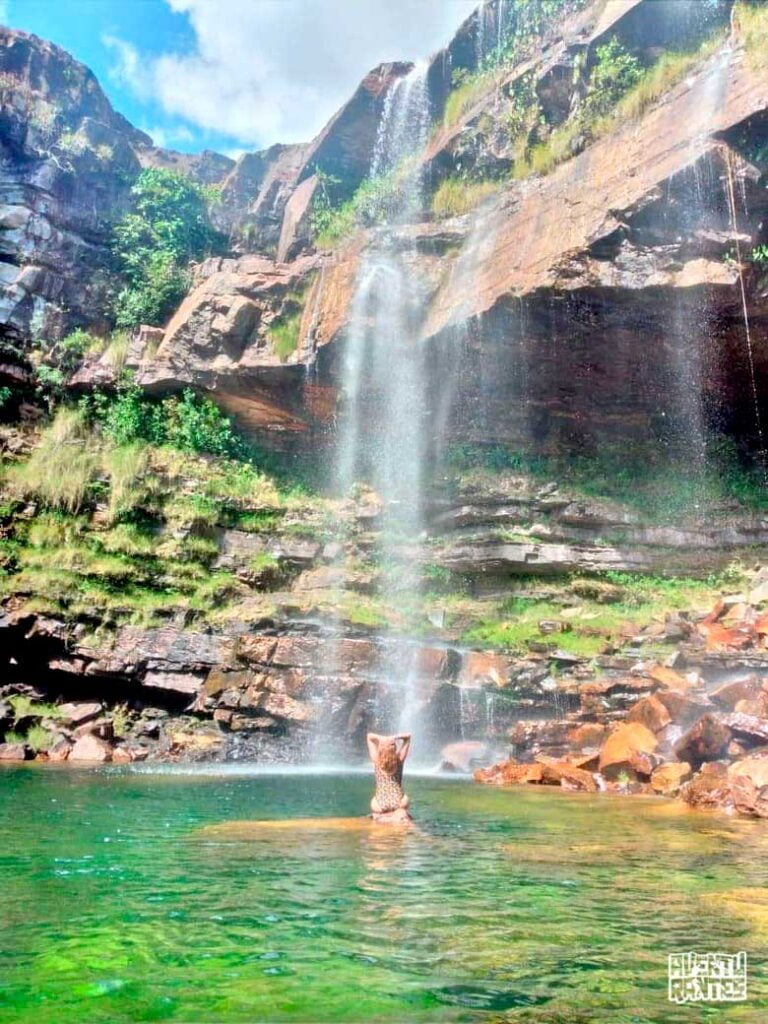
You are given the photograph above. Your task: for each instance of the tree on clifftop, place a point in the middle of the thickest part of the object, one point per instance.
(154, 244)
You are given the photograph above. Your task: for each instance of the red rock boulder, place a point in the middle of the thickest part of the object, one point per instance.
(650, 712)
(630, 749)
(13, 752)
(567, 775)
(707, 740)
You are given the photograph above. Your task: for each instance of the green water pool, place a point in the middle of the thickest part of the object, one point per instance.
(116, 905)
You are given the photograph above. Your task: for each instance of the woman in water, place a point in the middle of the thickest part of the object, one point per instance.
(388, 754)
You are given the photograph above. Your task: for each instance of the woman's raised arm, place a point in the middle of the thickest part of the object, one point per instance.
(372, 739)
(405, 748)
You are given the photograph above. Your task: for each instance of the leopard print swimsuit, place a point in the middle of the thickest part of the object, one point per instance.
(389, 787)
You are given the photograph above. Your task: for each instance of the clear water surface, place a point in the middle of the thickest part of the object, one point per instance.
(118, 903)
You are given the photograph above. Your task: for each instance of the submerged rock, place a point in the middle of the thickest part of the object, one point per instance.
(13, 752)
(670, 776)
(749, 786)
(710, 788)
(464, 756)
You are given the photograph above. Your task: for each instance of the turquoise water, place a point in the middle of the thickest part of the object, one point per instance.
(117, 905)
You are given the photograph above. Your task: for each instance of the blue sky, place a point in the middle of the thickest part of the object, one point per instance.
(235, 75)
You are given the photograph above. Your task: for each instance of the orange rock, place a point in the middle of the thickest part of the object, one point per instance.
(562, 773)
(683, 709)
(650, 712)
(590, 734)
(481, 667)
(749, 786)
(589, 762)
(710, 788)
(509, 773)
(13, 752)
(628, 749)
(728, 695)
(757, 707)
(720, 638)
(669, 777)
(669, 678)
(60, 750)
(256, 649)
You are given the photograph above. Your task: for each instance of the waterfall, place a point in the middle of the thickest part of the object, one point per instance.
(745, 313)
(380, 437)
(696, 206)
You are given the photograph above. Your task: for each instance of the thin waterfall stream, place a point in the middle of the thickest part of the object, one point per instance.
(380, 436)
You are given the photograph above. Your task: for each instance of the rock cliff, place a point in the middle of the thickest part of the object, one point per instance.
(586, 287)
(592, 285)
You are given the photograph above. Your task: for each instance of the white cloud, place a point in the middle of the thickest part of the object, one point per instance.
(168, 137)
(266, 71)
(127, 69)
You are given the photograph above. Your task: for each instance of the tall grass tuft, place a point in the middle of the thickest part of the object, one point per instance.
(284, 335)
(454, 196)
(60, 470)
(464, 96)
(655, 82)
(116, 351)
(125, 466)
(750, 19)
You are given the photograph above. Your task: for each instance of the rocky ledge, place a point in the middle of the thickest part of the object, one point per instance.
(695, 727)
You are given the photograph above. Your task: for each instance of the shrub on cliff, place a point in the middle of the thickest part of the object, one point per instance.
(168, 227)
(190, 422)
(615, 72)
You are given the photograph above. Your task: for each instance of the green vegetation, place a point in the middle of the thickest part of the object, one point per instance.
(644, 478)
(759, 255)
(750, 19)
(440, 580)
(265, 565)
(456, 196)
(130, 493)
(619, 90)
(63, 465)
(24, 707)
(191, 423)
(526, 23)
(468, 90)
(154, 244)
(55, 361)
(284, 336)
(614, 73)
(578, 604)
(332, 222)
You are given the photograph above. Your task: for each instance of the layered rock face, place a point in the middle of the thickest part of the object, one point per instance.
(598, 304)
(68, 163)
(608, 301)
